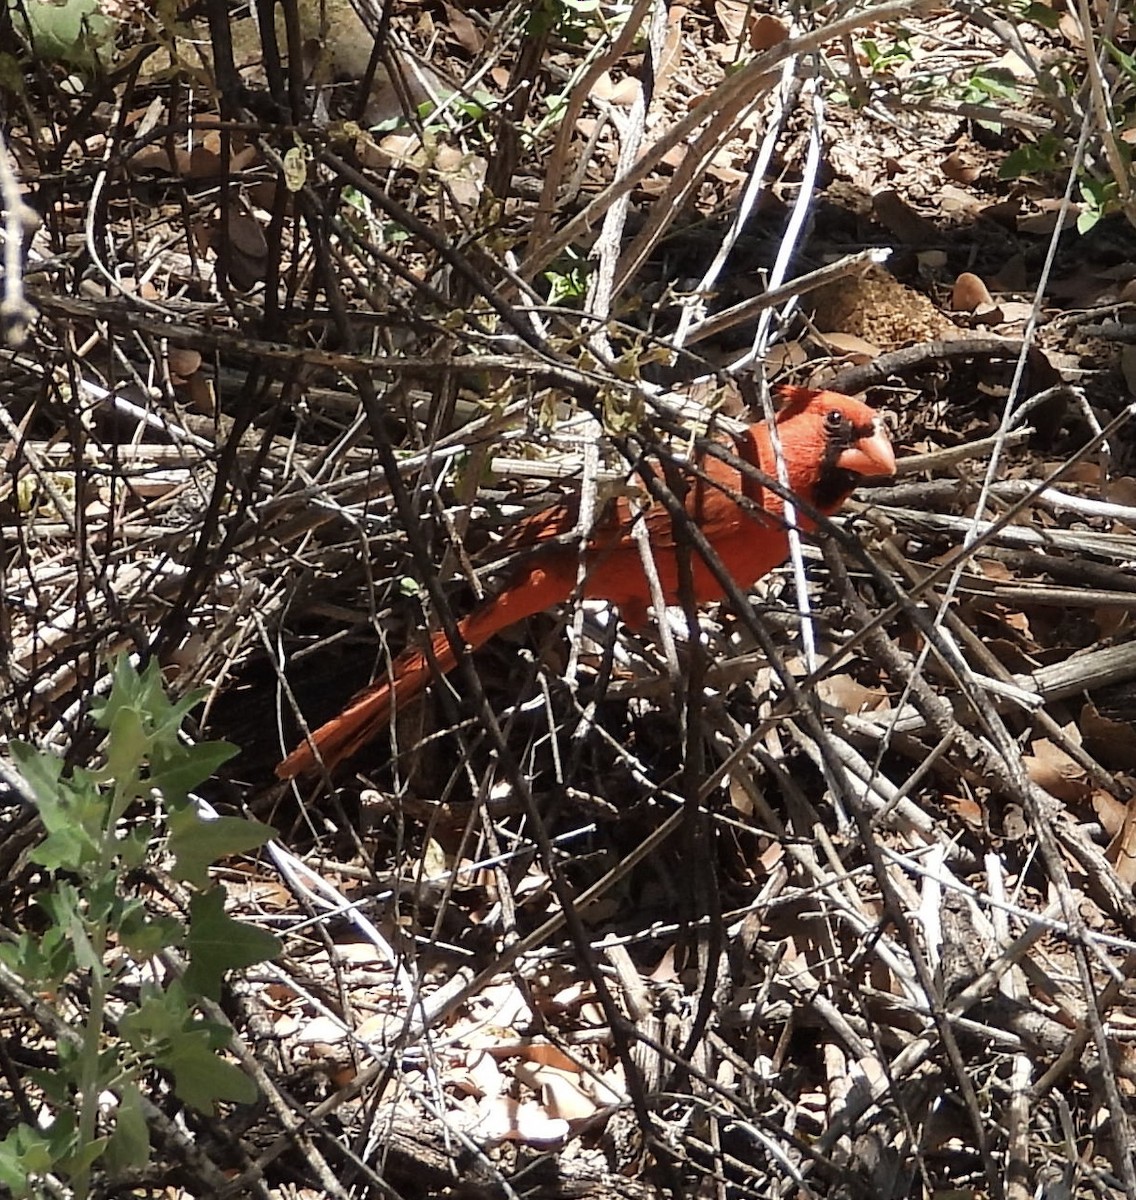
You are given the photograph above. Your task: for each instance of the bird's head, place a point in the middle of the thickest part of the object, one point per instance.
(842, 440)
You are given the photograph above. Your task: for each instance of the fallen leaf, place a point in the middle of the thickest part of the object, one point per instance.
(1043, 223)
(563, 1098)
(1070, 29)
(1056, 772)
(465, 32)
(504, 1119)
(183, 362)
(960, 168)
(1112, 743)
(901, 220)
(665, 970)
(322, 1030)
(731, 16)
(1111, 812)
(246, 235)
(670, 58)
(1014, 312)
(858, 349)
(1121, 490)
(548, 1055)
(622, 94)
(765, 32)
(1121, 851)
(969, 293)
(966, 808)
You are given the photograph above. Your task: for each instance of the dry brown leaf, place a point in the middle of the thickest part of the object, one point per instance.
(322, 1031)
(1042, 224)
(464, 174)
(670, 58)
(1112, 743)
(546, 1054)
(622, 94)
(765, 32)
(665, 970)
(956, 201)
(857, 349)
(465, 32)
(560, 1092)
(960, 168)
(993, 568)
(843, 692)
(1121, 490)
(157, 158)
(1002, 212)
(481, 1075)
(610, 1088)
(198, 393)
(731, 16)
(1111, 812)
(1070, 29)
(183, 361)
(785, 355)
(1054, 771)
(969, 293)
(966, 808)
(1014, 312)
(246, 235)
(1016, 65)
(1121, 851)
(901, 220)
(772, 857)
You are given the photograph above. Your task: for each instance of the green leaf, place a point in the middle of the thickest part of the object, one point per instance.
(144, 936)
(189, 767)
(218, 944)
(40, 771)
(997, 83)
(128, 744)
(45, 961)
(1041, 14)
(23, 1153)
(201, 1078)
(84, 1156)
(129, 1146)
(73, 33)
(196, 842)
(1032, 159)
(159, 1017)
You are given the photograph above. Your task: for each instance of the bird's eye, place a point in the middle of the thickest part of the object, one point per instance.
(835, 418)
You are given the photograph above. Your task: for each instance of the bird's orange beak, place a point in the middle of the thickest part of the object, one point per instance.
(871, 455)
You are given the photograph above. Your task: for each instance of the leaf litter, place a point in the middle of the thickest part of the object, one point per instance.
(921, 882)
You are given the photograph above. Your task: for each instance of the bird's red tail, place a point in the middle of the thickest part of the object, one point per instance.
(537, 589)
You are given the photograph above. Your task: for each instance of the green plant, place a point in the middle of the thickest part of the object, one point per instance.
(575, 21)
(568, 278)
(884, 57)
(105, 957)
(76, 33)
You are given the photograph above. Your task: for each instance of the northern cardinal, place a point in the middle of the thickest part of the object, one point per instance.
(829, 442)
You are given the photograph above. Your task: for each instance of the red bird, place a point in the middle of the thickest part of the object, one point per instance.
(829, 443)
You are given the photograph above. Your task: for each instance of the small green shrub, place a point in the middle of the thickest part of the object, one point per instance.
(124, 1012)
